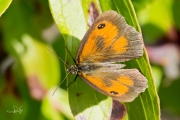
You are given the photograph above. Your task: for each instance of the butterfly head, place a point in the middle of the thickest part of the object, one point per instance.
(73, 69)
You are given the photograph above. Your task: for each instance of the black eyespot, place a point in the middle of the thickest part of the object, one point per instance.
(114, 92)
(100, 26)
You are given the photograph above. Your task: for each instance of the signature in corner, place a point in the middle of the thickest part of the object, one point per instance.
(16, 110)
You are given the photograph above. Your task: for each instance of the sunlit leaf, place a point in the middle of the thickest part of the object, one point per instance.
(4, 4)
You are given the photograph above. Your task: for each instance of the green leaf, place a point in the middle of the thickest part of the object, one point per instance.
(85, 102)
(4, 4)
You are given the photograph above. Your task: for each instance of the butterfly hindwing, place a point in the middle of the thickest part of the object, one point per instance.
(123, 85)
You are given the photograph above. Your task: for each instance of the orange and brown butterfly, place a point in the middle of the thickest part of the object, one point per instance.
(110, 40)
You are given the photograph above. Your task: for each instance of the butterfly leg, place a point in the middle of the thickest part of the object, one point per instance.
(72, 81)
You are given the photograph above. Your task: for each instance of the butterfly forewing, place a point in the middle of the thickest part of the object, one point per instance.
(110, 39)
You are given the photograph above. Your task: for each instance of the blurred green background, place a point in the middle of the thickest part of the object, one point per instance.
(29, 72)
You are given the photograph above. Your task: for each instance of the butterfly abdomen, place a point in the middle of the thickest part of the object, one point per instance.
(92, 67)
(87, 67)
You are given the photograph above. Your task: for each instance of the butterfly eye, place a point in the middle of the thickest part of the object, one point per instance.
(114, 92)
(100, 26)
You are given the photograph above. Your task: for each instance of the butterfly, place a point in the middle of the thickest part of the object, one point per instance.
(107, 43)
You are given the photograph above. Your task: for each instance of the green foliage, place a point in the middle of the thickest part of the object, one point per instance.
(29, 72)
(33, 69)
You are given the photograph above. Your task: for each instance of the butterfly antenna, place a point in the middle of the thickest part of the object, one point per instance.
(57, 56)
(70, 54)
(72, 81)
(60, 84)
